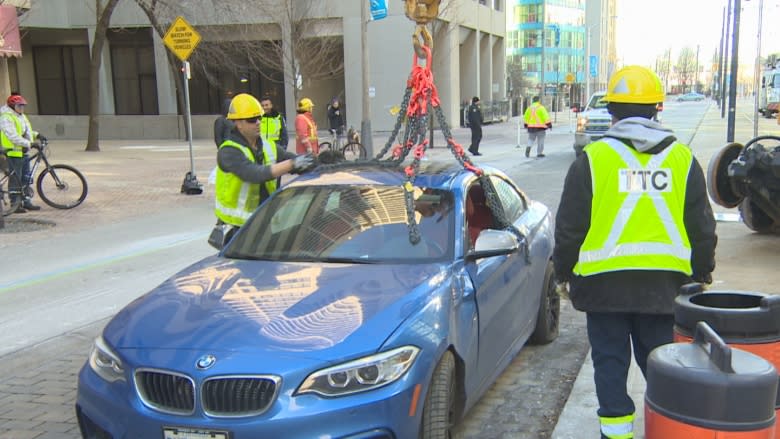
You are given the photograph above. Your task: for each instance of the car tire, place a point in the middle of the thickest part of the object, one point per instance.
(439, 402)
(549, 315)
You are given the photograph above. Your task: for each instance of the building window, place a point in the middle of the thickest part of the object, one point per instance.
(62, 79)
(133, 71)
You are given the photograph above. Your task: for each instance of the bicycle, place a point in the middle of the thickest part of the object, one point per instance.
(353, 150)
(60, 186)
(335, 139)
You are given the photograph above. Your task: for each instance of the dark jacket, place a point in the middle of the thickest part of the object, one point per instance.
(222, 125)
(283, 136)
(336, 118)
(639, 291)
(234, 161)
(475, 116)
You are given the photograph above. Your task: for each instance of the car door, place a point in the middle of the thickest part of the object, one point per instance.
(495, 281)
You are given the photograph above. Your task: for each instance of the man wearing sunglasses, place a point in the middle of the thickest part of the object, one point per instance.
(247, 167)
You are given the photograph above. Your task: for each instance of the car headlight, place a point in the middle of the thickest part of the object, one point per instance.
(105, 362)
(581, 123)
(363, 374)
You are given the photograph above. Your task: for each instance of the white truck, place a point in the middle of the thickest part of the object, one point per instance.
(592, 122)
(769, 96)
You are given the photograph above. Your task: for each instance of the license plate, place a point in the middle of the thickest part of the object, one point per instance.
(193, 433)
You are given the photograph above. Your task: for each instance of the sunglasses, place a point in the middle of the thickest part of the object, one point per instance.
(251, 120)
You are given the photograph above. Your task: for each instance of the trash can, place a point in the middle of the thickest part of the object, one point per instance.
(749, 321)
(706, 389)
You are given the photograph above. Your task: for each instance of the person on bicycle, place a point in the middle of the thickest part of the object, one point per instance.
(17, 137)
(335, 119)
(247, 167)
(306, 141)
(273, 127)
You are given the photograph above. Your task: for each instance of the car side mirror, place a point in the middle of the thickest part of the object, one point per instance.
(491, 242)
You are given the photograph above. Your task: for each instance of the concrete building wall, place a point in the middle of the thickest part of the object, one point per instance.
(465, 61)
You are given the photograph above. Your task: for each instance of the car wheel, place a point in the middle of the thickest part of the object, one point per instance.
(756, 219)
(438, 409)
(549, 315)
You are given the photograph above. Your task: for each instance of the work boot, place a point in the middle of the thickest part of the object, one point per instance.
(540, 155)
(528, 151)
(20, 209)
(30, 206)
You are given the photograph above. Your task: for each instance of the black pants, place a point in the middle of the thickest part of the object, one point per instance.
(611, 336)
(21, 168)
(476, 137)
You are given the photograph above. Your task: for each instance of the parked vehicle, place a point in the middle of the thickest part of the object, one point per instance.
(769, 95)
(592, 122)
(692, 96)
(322, 318)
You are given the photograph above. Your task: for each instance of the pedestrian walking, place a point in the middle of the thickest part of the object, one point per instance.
(633, 225)
(475, 123)
(335, 118)
(17, 137)
(273, 126)
(222, 125)
(537, 122)
(306, 141)
(248, 168)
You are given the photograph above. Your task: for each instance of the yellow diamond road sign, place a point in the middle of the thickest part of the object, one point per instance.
(181, 38)
(569, 77)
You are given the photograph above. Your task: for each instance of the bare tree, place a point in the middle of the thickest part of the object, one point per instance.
(686, 67)
(103, 18)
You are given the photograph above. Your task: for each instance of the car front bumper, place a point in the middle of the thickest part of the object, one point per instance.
(384, 413)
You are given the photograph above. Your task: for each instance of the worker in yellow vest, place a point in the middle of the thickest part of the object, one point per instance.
(17, 137)
(634, 224)
(248, 168)
(273, 126)
(537, 122)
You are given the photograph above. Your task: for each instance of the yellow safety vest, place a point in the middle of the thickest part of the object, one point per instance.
(236, 199)
(271, 128)
(636, 220)
(536, 116)
(12, 150)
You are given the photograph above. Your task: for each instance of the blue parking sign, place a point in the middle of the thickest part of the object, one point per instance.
(378, 9)
(594, 66)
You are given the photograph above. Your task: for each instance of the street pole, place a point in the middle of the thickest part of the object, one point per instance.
(587, 64)
(720, 59)
(696, 73)
(365, 125)
(757, 73)
(543, 92)
(190, 186)
(734, 70)
(725, 57)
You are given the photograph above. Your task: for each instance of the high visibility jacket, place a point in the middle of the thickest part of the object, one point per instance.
(236, 199)
(11, 149)
(536, 116)
(637, 210)
(271, 128)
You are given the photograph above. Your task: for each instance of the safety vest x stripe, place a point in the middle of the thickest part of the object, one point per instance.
(611, 248)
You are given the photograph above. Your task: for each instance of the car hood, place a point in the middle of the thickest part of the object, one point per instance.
(264, 306)
(596, 113)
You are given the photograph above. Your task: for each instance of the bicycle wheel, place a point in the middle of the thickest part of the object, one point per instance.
(354, 151)
(6, 196)
(325, 146)
(62, 186)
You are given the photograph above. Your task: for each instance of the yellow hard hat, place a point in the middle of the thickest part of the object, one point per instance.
(635, 85)
(244, 106)
(305, 104)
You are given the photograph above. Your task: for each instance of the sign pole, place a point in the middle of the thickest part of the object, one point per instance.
(188, 113)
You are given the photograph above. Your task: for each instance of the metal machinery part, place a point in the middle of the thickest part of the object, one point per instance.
(749, 177)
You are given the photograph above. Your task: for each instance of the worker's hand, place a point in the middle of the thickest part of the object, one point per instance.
(562, 288)
(549, 126)
(42, 138)
(302, 163)
(705, 278)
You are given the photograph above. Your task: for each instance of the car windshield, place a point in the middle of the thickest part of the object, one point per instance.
(342, 223)
(597, 101)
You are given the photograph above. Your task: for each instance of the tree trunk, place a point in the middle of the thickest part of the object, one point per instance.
(104, 18)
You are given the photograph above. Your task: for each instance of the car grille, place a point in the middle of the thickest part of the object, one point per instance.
(166, 391)
(239, 396)
(597, 126)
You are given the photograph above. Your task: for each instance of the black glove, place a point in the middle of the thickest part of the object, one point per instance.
(302, 163)
(25, 150)
(35, 144)
(705, 278)
(42, 138)
(549, 125)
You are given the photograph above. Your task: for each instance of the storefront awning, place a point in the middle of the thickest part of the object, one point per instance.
(10, 43)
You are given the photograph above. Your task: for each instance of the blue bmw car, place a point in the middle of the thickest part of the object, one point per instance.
(349, 305)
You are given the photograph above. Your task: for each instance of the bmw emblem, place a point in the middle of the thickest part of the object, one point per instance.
(205, 362)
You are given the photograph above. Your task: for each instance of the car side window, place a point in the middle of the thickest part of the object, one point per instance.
(513, 201)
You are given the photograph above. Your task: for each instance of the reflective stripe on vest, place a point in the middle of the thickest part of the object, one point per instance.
(637, 210)
(312, 126)
(236, 199)
(271, 127)
(534, 120)
(12, 150)
(621, 427)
